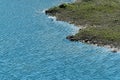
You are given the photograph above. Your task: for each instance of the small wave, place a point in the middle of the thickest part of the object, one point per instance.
(40, 11)
(43, 11)
(53, 18)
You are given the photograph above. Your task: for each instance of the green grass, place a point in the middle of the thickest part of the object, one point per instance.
(93, 12)
(104, 14)
(105, 33)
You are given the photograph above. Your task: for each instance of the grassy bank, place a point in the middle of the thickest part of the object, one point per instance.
(100, 17)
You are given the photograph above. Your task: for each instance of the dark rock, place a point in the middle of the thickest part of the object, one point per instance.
(51, 12)
(71, 38)
(114, 51)
(86, 40)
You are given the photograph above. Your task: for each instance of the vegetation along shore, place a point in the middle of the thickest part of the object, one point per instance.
(100, 20)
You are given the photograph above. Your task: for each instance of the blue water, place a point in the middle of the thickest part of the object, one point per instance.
(33, 47)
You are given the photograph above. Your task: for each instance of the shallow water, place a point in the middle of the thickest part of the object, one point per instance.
(33, 47)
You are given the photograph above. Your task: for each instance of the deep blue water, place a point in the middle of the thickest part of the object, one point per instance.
(33, 47)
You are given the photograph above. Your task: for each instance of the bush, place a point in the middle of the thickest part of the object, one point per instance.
(63, 5)
(86, 0)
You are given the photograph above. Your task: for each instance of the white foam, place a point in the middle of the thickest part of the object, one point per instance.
(52, 17)
(43, 11)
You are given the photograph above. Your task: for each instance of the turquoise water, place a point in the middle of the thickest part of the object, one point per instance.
(33, 47)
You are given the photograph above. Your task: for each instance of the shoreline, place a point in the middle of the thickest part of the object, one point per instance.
(107, 44)
(111, 48)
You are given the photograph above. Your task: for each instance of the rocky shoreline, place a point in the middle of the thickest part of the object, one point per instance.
(89, 39)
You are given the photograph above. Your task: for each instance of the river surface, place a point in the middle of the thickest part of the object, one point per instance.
(33, 46)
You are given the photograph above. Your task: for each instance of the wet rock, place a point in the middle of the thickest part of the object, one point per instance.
(50, 11)
(114, 51)
(71, 38)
